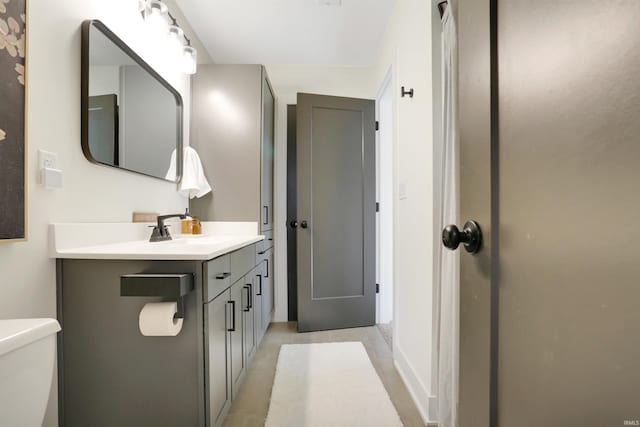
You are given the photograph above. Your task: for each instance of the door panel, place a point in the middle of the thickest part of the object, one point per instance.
(548, 144)
(236, 344)
(336, 199)
(258, 294)
(268, 109)
(267, 290)
(248, 321)
(476, 272)
(218, 364)
(569, 157)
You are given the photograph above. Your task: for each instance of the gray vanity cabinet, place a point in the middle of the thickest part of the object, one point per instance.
(258, 292)
(218, 360)
(248, 318)
(267, 153)
(264, 259)
(268, 292)
(185, 380)
(236, 329)
(226, 345)
(232, 128)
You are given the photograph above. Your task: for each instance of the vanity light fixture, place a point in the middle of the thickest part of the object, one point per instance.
(189, 59)
(157, 17)
(176, 37)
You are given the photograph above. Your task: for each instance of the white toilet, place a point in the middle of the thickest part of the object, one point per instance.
(27, 355)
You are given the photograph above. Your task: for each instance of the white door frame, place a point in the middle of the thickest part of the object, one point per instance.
(384, 195)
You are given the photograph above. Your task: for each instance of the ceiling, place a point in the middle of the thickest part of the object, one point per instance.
(347, 33)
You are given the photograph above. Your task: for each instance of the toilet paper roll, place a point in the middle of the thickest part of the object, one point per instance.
(156, 320)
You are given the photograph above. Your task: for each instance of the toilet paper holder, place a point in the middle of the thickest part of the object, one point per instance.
(170, 286)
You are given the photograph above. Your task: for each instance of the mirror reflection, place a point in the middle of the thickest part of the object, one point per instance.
(132, 118)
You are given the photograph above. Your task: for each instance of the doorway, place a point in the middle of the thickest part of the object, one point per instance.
(384, 218)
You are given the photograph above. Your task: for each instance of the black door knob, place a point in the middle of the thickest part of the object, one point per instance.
(304, 224)
(470, 236)
(293, 224)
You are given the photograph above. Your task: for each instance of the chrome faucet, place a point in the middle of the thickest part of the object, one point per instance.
(161, 231)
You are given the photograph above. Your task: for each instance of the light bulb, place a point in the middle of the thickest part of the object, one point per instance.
(176, 40)
(189, 60)
(156, 17)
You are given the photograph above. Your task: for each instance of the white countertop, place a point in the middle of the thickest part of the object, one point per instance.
(129, 241)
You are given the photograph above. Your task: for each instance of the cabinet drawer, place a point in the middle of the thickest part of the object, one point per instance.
(218, 274)
(265, 244)
(242, 261)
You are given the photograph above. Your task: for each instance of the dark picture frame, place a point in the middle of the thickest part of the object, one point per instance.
(13, 147)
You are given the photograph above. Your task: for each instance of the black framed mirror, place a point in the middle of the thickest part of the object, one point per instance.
(131, 116)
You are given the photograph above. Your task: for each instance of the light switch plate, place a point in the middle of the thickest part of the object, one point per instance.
(402, 190)
(48, 174)
(47, 159)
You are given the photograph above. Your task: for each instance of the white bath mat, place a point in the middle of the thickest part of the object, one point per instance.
(328, 385)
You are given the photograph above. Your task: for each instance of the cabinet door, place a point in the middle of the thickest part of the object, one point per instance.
(218, 366)
(258, 280)
(235, 337)
(268, 293)
(248, 320)
(267, 148)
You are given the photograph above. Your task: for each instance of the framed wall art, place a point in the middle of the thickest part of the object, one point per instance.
(12, 120)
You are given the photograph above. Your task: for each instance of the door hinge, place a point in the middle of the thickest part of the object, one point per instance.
(377, 125)
(377, 288)
(377, 206)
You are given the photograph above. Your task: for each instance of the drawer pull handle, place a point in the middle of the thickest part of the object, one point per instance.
(233, 316)
(247, 308)
(259, 276)
(222, 276)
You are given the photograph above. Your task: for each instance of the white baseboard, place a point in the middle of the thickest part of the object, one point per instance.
(433, 407)
(416, 388)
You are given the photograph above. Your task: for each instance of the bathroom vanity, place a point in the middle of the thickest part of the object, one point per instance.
(110, 374)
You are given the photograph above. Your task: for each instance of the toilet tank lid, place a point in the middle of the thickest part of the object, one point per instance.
(16, 333)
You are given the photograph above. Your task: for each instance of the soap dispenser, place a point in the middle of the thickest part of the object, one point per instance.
(186, 222)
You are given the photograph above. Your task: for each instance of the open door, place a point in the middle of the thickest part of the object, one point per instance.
(549, 155)
(336, 212)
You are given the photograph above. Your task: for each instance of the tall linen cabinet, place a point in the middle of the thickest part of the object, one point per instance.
(232, 128)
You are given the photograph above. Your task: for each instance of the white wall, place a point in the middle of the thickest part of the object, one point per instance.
(287, 81)
(407, 50)
(105, 80)
(91, 193)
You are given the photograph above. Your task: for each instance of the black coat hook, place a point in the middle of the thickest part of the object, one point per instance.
(409, 92)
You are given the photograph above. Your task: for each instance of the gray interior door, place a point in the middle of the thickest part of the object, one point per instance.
(549, 129)
(336, 212)
(292, 215)
(104, 129)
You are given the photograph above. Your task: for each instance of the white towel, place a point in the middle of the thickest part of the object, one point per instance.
(193, 182)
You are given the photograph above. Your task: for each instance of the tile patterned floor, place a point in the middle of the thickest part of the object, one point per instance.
(252, 403)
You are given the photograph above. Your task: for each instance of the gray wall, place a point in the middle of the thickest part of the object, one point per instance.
(147, 146)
